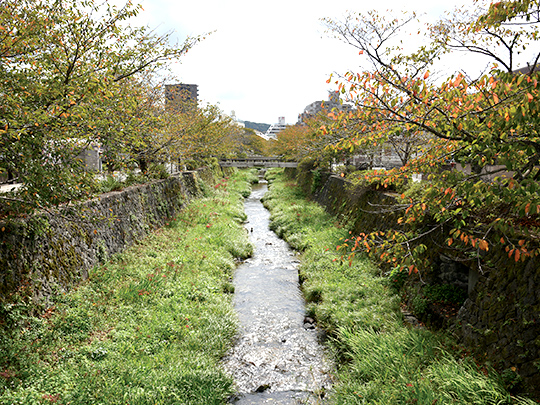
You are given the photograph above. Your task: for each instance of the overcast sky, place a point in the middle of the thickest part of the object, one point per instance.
(265, 59)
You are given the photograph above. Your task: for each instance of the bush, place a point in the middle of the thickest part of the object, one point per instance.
(157, 171)
(110, 183)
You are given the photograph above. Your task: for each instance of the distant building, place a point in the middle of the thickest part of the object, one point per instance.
(274, 129)
(236, 120)
(178, 94)
(317, 107)
(527, 69)
(259, 133)
(91, 157)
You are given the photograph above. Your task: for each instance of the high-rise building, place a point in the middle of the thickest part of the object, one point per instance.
(326, 106)
(274, 129)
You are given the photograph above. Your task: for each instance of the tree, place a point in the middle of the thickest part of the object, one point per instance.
(246, 142)
(310, 140)
(201, 133)
(488, 124)
(293, 142)
(66, 74)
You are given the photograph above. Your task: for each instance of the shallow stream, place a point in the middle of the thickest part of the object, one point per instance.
(277, 358)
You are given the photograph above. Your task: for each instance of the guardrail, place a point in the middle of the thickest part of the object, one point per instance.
(257, 162)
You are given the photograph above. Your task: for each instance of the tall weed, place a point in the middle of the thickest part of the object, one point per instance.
(379, 359)
(148, 327)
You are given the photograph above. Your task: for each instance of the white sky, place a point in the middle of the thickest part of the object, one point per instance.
(265, 59)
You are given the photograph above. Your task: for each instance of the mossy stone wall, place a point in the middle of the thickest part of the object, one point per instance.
(50, 251)
(500, 319)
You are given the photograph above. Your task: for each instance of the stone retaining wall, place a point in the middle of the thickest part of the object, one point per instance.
(53, 250)
(500, 320)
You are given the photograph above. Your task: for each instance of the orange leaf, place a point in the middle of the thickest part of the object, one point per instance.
(450, 241)
(496, 99)
(530, 97)
(426, 75)
(483, 245)
(518, 254)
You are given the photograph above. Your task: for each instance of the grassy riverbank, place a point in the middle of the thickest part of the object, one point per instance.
(148, 327)
(380, 359)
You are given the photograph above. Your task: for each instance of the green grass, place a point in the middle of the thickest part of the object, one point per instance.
(148, 327)
(379, 359)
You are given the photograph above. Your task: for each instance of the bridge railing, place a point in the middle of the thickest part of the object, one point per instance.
(257, 162)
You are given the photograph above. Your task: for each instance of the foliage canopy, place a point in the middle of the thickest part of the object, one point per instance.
(76, 76)
(487, 125)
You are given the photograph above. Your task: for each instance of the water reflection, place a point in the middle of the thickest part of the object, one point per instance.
(277, 358)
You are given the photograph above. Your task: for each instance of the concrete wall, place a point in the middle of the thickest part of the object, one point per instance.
(53, 250)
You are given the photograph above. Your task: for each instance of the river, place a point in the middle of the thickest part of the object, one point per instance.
(277, 358)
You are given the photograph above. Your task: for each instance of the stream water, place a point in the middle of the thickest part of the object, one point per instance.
(277, 358)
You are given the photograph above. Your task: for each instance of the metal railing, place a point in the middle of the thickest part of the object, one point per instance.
(257, 162)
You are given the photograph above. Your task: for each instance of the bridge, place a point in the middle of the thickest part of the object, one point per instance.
(257, 162)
